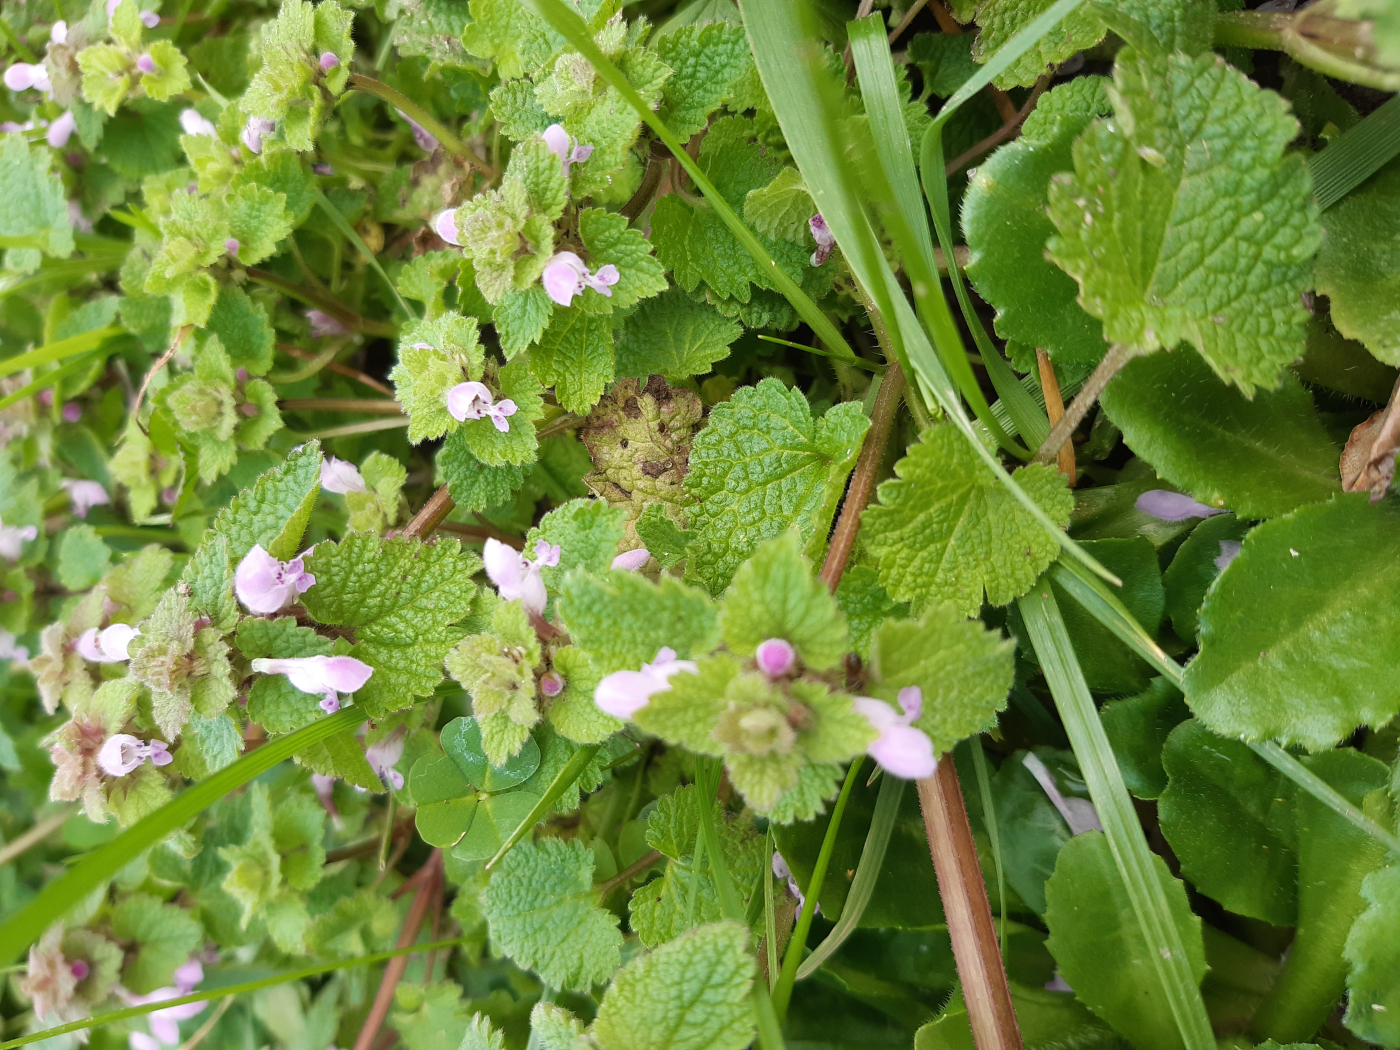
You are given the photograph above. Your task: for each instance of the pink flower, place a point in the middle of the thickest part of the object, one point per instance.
(327, 675)
(1229, 550)
(50, 980)
(146, 64)
(516, 576)
(84, 495)
(165, 1024)
(76, 218)
(472, 400)
(61, 130)
(22, 76)
(254, 130)
(195, 124)
(13, 538)
(383, 755)
(71, 412)
(58, 34)
(324, 786)
(265, 585)
(19, 654)
(231, 246)
(900, 749)
(552, 683)
(340, 477)
(826, 240)
(775, 657)
(1079, 813)
(631, 561)
(124, 753)
(328, 61)
(565, 147)
(623, 693)
(323, 324)
(445, 223)
(782, 871)
(150, 19)
(565, 276)
(425, 139)
(108, 646)
(1173, 506)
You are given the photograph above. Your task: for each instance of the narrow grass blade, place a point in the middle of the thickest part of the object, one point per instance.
(572, 770)
(989, 820)
(1356, 155)
(342, 224)
(872, 860)
(48, 379)
(54, 900)
(573, 29)
(1120, 823)
(1319, 789)
(58, 350)
(790, 65)
(1103, 605)
(128, 1012)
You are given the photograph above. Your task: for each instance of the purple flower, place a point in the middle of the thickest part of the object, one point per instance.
(58, 34)
(421, 135)
(328, 61)
(108, 646)
(324, 786)
(165, 1024)
(124, 753)
(384, 754)
(900, 749)
(1173, 506)
(821, 233)
(631, 561)
(150, 19)
(552, 684)
(13, 538)
(19, 654)
(146, 64)
(84, 495)
(775, 657)
(472, 400)
(231, 246)
(516, 576)
(322, 169)
(323, 324)
(623, 693)
(254, 130)
(565, 276)
(327, 675)
(194, 124)
(445, 224)
(265, 585)
(782, 871)
(61, 130)
(565, 147)
(22, 76)
(1229, 549)
(1079, 813)
(340, 477)
(76, 218)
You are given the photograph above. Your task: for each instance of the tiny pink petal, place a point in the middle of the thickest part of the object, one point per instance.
(445, 224)
(328, 61)
(631, 561)
(84, 495)
(61, 130)
(1173, 506)
(340, 476)
(775, 657)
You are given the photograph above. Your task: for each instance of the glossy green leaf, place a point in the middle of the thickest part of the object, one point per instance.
(1358, 265)
(1196, 564)
(461, 739)
(1137, 727)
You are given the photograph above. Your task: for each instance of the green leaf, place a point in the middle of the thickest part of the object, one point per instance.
(242, 326)
(866, 605)
(402, 597)
(1195, 567)
(186, 665)
(166, 936)
(497, 668)
(461, 739)
(1006, 225)
(474, 485)
(610, 240)
(573, 713)
(1138, 727)
(1191, 171)
(622, 619)
(946, 62)
(519, 444)
(434, 356)
(782, 209)
(761, 466)
(1229, 818)
(258, 218)
(273, 702)
(543, 914)
(575, 356)
(274, 512)
(586, 531)
(690, 994)
(1002, 19)
(706, 61)
(945, 530)
(660, 536)
(964, 670)
(83, 558)
(1260, 458)
(520, 318)
(776, 595)
(1318, 580)
(1373, 982)
(33, 204)
(1101, 951)
(1358, 267)
(674, 336)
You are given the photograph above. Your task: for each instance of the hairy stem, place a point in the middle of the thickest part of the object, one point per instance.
(326, 304)
(439, 506)
(481, 532)
(872, 453)
(35, 835)
(1119, 354)
(341, 404)
(968, 912)
(1311, 37)
(423, 118)
(1055, 410)
(635, 868)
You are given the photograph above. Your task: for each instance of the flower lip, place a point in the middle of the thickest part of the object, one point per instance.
(83, 495)
(328, 676)
(565, 146)
(516, 576)
(266, 585)
(631, 561)
(1166, 505)
(623, 693)
(900, 748)
(21, 76)
(61, 130)
(340, 476)
(192, 122)
(123, 753)
(382, 756)
(445, 225)
(13, 538)
(566, 276)
(826, 240)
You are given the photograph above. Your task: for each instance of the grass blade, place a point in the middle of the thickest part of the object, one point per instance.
(342, 224)
(128, 1012)
(48, 379)
(872, 860)
(989, 820)
(568, 24)
(1120, 823)
(58, 350)
(1105, 606)
(1356, 155)
(54, 900)
(572, 770)
(1319, 789)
